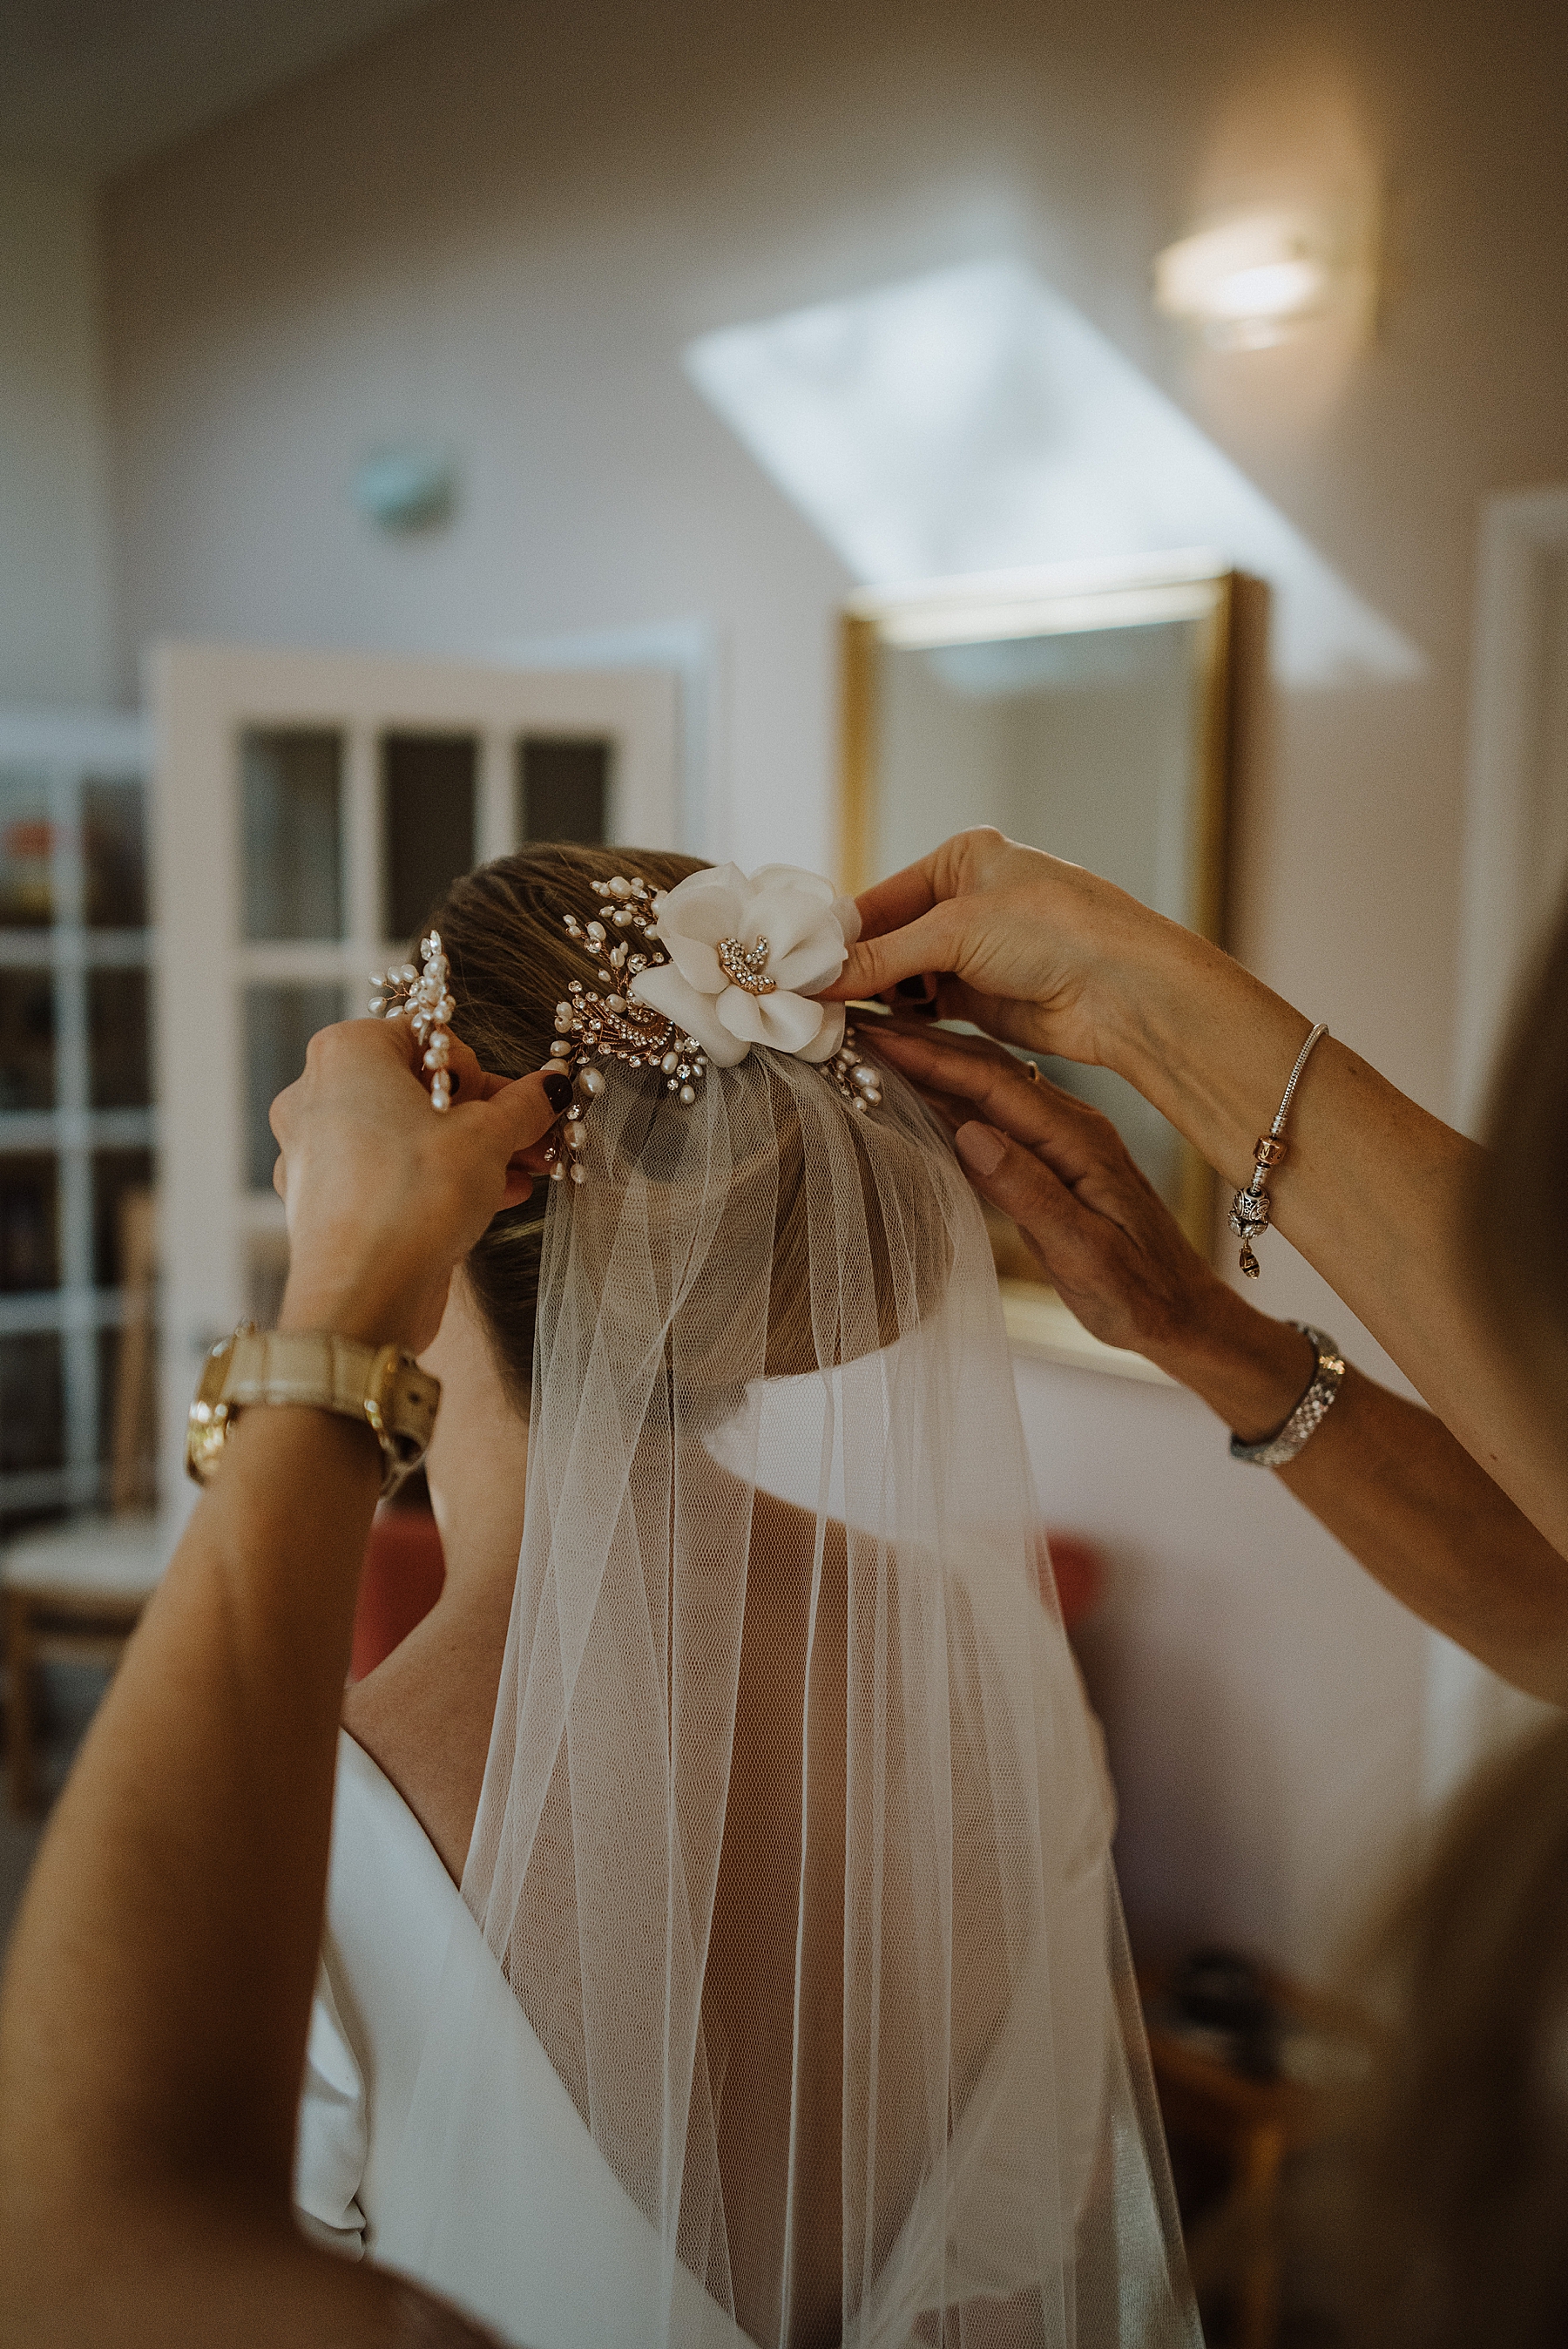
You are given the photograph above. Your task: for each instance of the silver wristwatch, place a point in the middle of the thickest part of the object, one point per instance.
(1277, 1450)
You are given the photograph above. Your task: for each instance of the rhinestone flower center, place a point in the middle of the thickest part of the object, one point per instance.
(746, 967)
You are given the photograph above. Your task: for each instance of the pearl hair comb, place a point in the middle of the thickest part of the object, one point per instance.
(614, 1026)
(424, 996)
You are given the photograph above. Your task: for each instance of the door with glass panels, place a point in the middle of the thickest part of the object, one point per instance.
(310, 809)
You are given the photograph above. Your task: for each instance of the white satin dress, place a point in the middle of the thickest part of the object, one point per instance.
(552, 2254)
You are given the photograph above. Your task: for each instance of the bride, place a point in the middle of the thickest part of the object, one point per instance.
(722, 1941)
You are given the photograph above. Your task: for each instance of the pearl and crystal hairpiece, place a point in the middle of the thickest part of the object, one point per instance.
(426, 999)
(681, 989)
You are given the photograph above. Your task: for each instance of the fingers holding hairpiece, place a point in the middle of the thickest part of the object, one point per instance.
(966, 1077)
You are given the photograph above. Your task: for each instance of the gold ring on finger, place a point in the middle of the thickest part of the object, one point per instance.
(1034, 1071)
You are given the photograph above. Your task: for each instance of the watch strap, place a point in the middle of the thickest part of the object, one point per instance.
(381, 1386)
(1277, 1451)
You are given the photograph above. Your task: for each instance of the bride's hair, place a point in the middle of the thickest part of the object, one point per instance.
(511, 962)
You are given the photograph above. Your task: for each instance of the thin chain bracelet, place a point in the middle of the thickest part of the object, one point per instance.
(1250, 1208)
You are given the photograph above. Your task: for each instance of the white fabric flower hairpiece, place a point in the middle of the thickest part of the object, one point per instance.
(746, 955)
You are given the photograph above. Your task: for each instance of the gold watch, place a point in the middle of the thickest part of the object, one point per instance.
(380, 1385)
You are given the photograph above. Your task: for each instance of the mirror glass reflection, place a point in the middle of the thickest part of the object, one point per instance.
(1092, 724)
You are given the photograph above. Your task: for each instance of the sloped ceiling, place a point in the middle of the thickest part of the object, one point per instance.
(90, 85)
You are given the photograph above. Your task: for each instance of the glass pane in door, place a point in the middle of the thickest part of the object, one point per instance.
(32, 1402)
(26, 1039)
(29, 1251)
(117, 1039)
(113, 855)
(279, 1024)
(26, 845)
(563, 787)
(292, 792)
(428, 784)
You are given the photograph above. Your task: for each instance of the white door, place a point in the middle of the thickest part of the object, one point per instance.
(308, 808)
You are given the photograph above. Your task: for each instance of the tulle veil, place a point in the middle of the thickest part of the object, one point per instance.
(794, 1840)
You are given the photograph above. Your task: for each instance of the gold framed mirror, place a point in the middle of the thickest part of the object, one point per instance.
(1087, 711)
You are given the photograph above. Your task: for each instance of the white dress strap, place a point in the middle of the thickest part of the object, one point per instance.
(334, 2131)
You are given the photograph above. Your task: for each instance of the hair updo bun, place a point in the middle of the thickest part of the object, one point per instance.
(512, 961)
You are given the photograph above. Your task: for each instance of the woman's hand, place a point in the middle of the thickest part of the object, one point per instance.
(1099, 1231)
(1025, 946)
(384, 1194)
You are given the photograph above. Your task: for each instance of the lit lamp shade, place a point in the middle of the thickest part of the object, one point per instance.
(1249, 281)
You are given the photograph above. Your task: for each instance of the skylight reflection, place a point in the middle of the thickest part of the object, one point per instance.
(973, 421)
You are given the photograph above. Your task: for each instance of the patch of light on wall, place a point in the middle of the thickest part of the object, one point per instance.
(1249, 282)
(973, 421)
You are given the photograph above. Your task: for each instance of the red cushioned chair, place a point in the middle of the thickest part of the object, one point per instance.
(400, 1582)
(1079, 1568)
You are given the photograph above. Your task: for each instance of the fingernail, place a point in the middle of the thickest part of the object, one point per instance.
(557, 1089)
(981, 1147)
(919, 989)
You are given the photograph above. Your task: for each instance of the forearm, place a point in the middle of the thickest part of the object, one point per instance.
(159, 1989)
(1372, 1192)
(1407, 1500)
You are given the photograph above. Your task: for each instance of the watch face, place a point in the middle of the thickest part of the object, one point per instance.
(205, 1434)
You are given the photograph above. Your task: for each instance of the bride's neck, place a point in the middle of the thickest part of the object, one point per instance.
(425, 1715)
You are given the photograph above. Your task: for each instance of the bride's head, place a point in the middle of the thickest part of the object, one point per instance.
(725, 1179)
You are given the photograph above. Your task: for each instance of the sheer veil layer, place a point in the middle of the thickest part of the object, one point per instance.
(794, 1841)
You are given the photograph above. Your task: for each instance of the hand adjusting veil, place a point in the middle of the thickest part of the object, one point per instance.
(794, 1837)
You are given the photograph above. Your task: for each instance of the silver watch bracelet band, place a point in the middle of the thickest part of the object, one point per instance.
(1278, 1450)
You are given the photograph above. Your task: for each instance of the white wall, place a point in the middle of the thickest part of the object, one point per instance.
(502, 226)
(53, 538)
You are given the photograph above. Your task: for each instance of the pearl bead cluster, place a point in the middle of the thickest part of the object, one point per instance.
(857, 1079)
(613, 1026)
(424, 995)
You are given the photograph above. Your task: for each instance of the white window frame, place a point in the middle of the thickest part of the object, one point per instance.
(67, 749)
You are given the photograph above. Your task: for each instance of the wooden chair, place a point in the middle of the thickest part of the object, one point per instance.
(133, 1454)
(74, 1594)
(1253, 2125)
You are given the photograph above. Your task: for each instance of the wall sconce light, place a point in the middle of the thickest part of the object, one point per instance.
(404, 489)
(1252, 279)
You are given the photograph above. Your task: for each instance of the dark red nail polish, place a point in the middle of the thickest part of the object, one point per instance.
(557, 1090)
